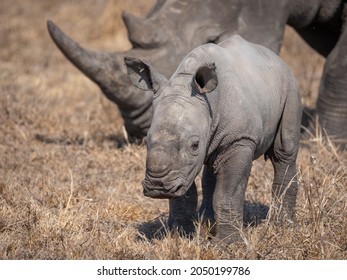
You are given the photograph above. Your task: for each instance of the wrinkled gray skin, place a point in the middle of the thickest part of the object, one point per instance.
(225, 106)
(170, 31)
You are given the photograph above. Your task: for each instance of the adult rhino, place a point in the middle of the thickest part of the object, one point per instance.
(176, 26)
(224, 106)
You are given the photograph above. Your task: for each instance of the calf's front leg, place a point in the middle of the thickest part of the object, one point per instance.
(182, 211)
(208, 183)
(232, 170)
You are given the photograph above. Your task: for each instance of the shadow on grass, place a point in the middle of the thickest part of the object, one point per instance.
(254, 213)
(156, 229)
(117, 140)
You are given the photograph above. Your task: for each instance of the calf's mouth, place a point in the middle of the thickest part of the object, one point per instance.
(164, 187)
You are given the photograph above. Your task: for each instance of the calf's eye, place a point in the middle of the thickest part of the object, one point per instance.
(193, 144)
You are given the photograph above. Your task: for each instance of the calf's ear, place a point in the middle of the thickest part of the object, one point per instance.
(205, 78)
(143, 75)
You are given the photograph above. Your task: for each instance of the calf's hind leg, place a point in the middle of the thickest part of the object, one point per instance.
(285, 186)
(283, 154)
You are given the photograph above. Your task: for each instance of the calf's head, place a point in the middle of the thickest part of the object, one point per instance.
(179, 134)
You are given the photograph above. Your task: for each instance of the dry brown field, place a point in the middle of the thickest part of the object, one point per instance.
(70, 185)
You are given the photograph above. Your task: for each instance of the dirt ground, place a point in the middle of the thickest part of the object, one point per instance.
(70, 185)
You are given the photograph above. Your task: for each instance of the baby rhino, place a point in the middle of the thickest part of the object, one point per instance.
(225, 106)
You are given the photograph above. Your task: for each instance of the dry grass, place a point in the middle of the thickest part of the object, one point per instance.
(69, 186)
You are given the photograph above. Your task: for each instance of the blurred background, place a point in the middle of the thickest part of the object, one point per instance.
(70, 187)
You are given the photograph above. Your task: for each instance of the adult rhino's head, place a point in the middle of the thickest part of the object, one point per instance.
(163, 37)
(179, 134)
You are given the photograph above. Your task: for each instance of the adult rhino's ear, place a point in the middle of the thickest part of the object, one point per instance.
(205, 78)
(143, 75)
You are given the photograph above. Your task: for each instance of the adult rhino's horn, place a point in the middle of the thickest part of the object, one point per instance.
(132, 22)
(91, 63)
(142, 32)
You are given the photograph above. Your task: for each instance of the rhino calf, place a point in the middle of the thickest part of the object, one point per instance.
(224, 106)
